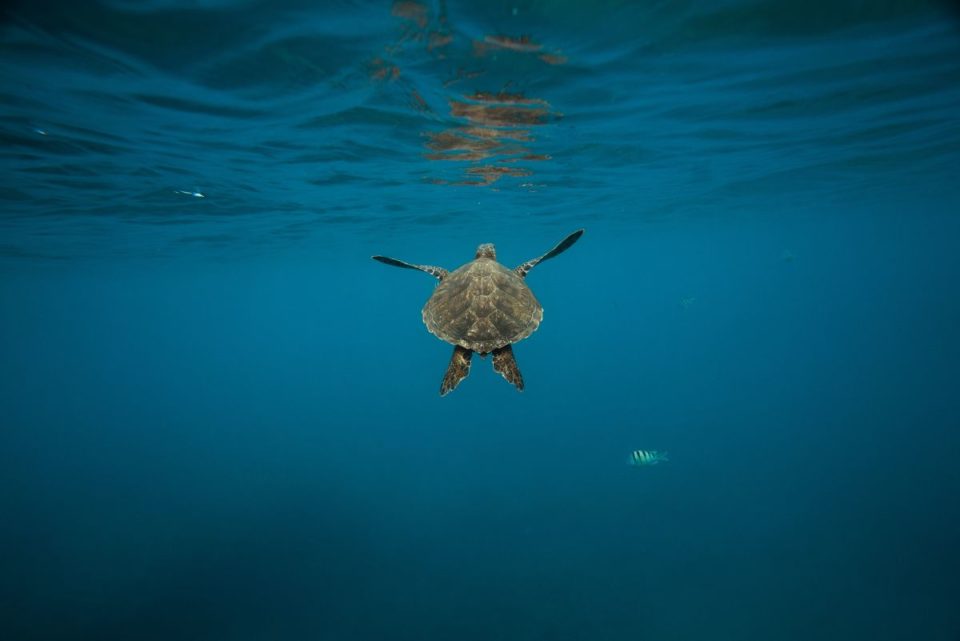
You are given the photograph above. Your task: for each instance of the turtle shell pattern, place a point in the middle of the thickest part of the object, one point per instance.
(482, 306)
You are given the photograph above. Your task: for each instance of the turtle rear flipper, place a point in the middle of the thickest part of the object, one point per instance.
(438, 272)
(506, 365)
(561, 247)
(457, 370)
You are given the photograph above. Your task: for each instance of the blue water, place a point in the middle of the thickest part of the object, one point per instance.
(219, 419)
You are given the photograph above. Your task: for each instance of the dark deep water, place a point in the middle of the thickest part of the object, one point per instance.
(219, 418)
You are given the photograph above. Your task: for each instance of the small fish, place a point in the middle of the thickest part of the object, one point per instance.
(642, 458)
(195, 194)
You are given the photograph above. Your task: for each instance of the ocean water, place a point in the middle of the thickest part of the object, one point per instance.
(220, 420)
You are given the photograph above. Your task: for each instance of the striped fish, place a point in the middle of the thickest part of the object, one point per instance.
(642, 458)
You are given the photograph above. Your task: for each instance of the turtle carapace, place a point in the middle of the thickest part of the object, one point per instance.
(483, 307)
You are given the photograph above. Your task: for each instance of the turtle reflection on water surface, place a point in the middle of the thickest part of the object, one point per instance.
(483, 307)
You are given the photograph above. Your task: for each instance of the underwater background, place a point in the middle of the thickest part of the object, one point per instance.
(219, 419)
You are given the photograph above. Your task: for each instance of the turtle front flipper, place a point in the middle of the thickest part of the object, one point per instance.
(457, 370)
(506, 365)
(438, 272)
(561, 247)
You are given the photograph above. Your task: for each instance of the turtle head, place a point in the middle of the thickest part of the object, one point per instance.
(486, 250)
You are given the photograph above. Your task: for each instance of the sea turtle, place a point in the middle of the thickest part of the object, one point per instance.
(482, 307)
